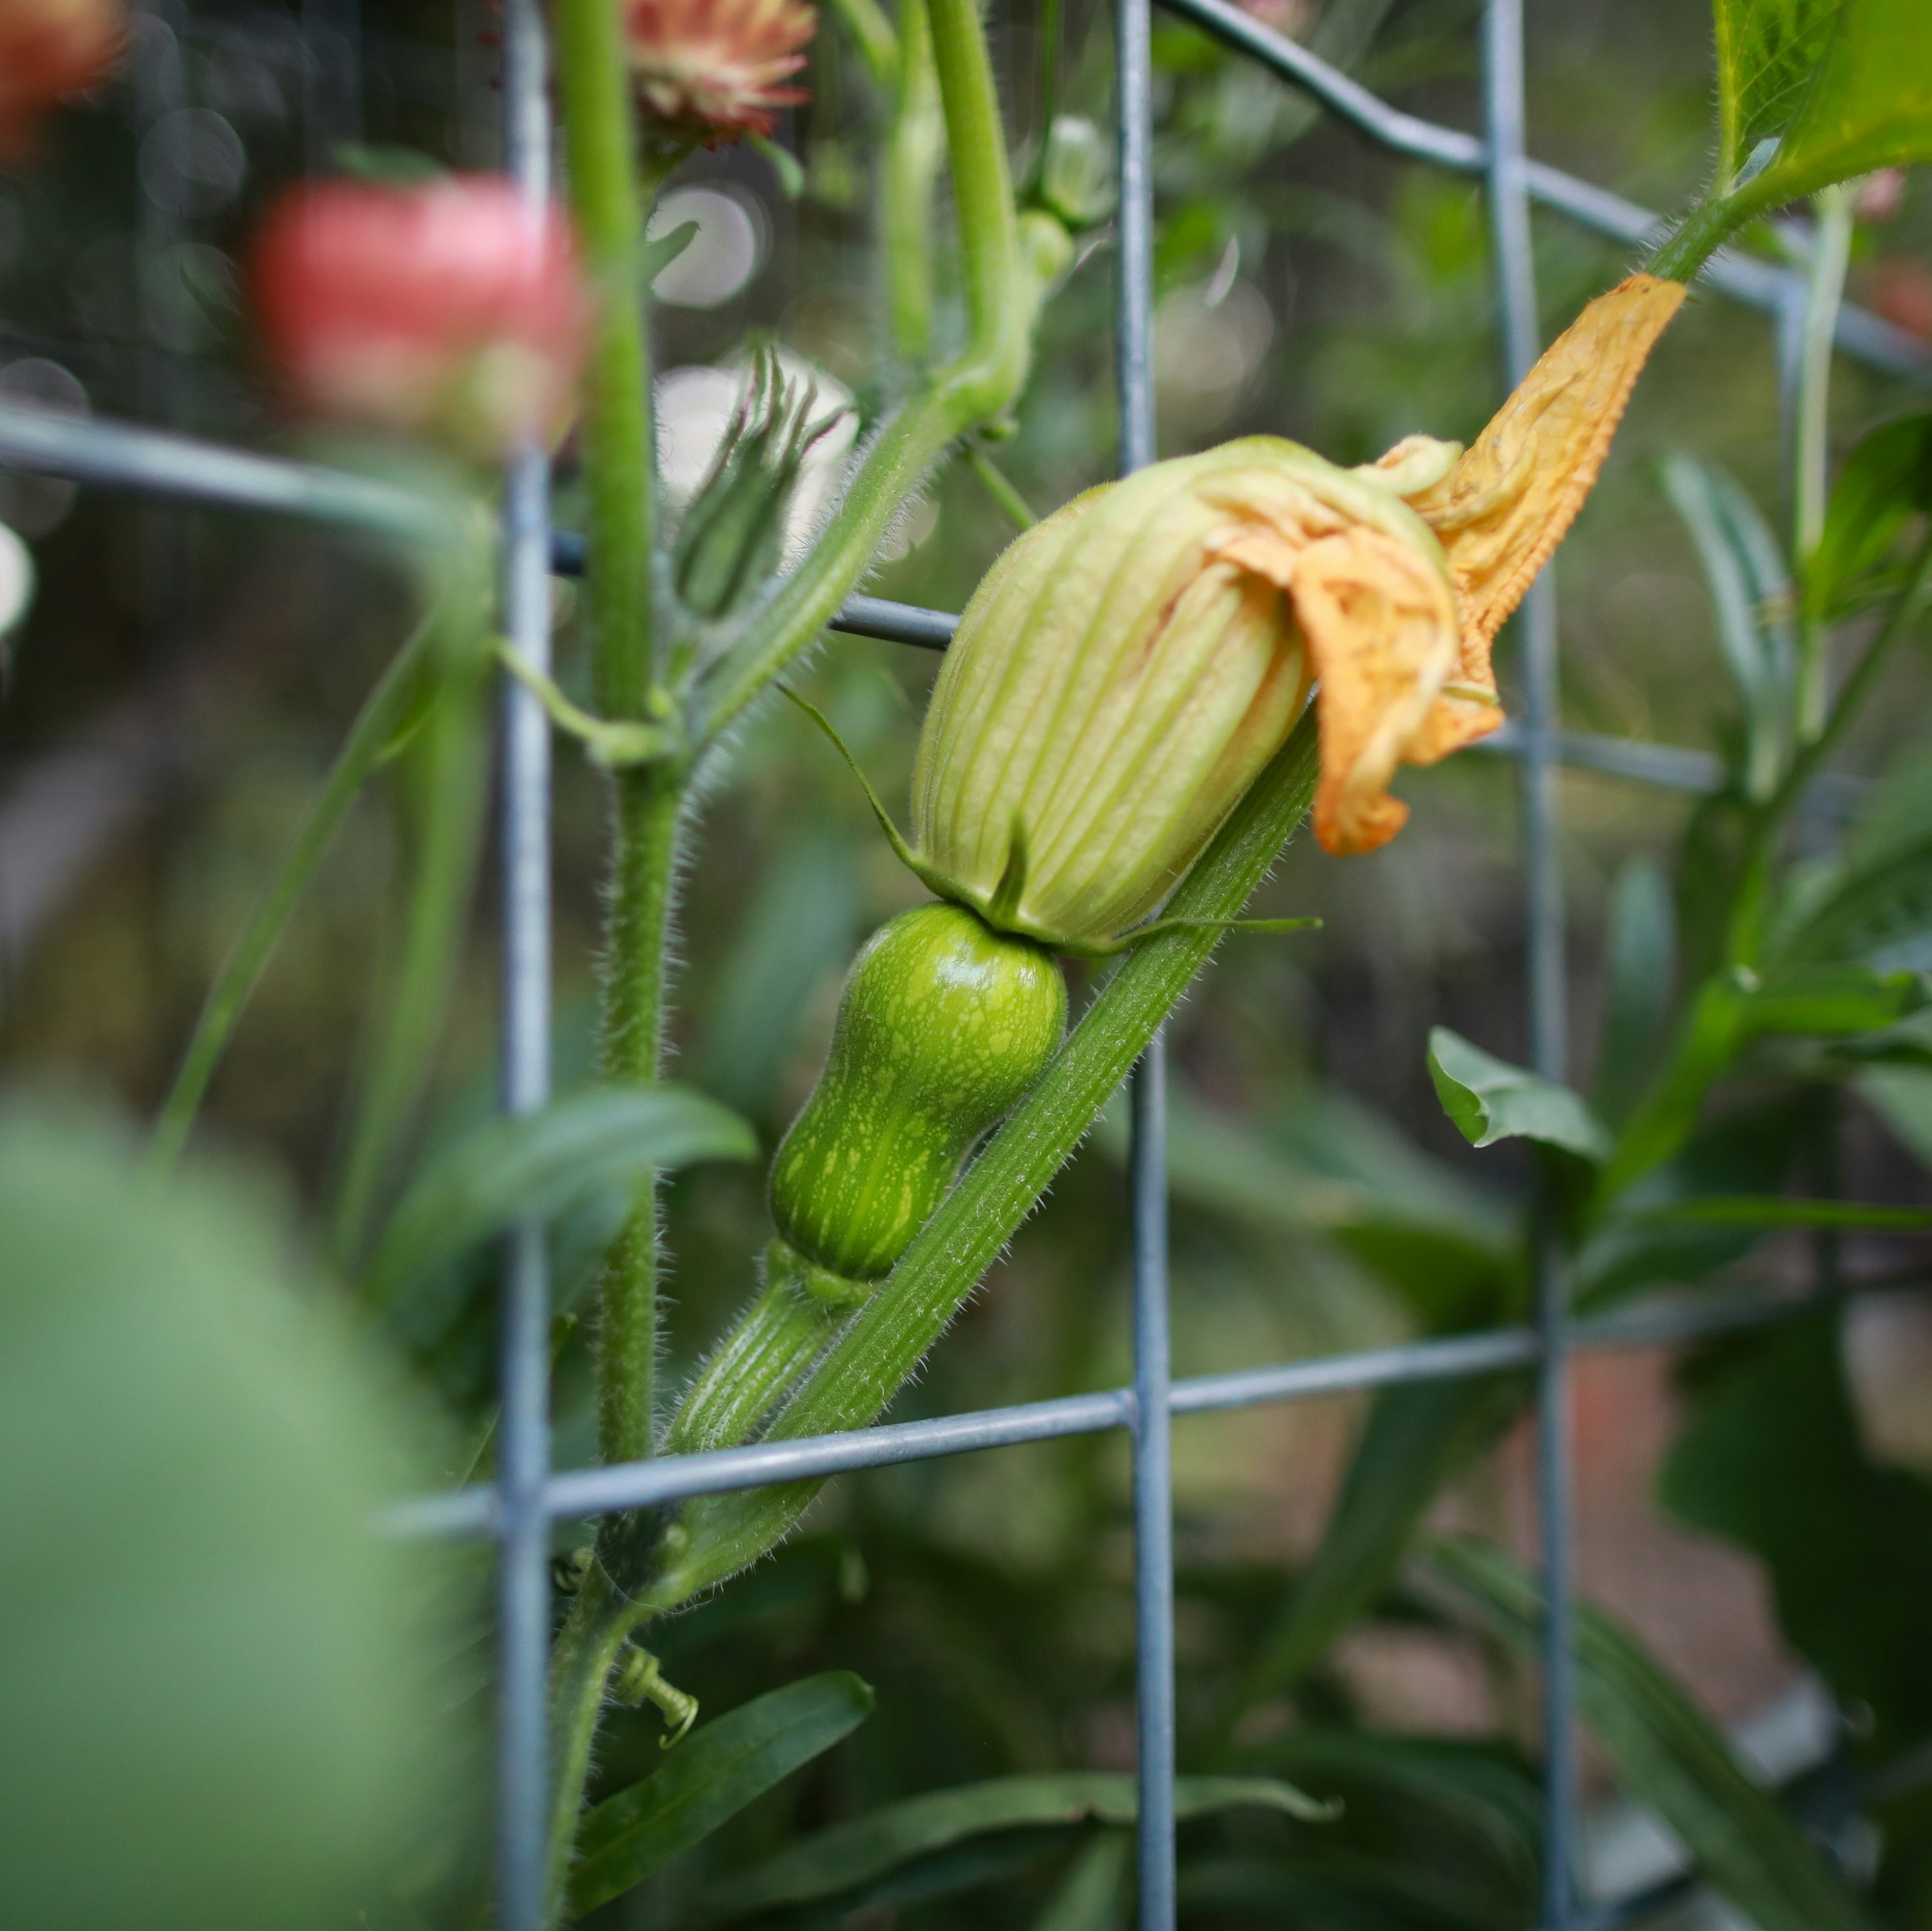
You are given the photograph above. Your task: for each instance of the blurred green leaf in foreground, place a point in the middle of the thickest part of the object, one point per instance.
(218, 1706)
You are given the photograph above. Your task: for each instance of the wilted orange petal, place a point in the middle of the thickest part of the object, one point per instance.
(1507, 504)
(1380, 623)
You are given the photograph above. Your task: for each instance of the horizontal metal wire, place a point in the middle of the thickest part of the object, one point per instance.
(117, 456)
(122, 457)
(581, 1493)
(1757, 284)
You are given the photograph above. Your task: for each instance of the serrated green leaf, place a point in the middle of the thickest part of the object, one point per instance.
(707, 1780)
(1868, 103)
(1767, 52)
(847, 1861)
(1489, 1100)
(530, 1168)
(1664, 1751)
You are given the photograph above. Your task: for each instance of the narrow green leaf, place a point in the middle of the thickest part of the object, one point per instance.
(530, 1168)
(1335, 1890)
(1642, 971)
(1665, 1752)
(1772, 1459)
(1751, 595)
(1488, 1099)
(1887, 476)
(1901, 1096)
(1878, 914)
(842, 1863)
(1416, 1438)
(1777, 1210)
(707, 1780)
(1089, 1897)
(659, 251)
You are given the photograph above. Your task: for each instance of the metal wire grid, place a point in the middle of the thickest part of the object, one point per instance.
(527, 1498)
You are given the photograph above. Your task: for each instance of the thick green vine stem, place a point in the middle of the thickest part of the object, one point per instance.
(787, 1327)
(885, 1341)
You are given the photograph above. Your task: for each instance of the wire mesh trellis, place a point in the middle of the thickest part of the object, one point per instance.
(528, 1498)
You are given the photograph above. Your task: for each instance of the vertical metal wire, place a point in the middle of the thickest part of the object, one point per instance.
(1153, 1483)
(1515, 302)
(523, 1438)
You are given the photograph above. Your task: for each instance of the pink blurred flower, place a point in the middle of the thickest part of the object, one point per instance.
(713, 70)
(48, 49)
(1879, 196)
(442, 310)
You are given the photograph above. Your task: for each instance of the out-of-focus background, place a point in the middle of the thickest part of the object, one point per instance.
(184, 678)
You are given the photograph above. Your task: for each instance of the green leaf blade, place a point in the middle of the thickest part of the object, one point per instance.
(1489, 1100)
(709, 1779)
(531, 1167)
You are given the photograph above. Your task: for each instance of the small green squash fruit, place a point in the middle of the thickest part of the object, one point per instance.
(944, 1025)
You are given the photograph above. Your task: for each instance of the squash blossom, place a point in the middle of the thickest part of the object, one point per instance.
(1128, 666)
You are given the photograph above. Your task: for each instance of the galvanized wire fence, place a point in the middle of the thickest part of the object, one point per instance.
(527, 1499)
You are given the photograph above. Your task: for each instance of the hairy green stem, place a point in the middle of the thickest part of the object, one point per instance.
(1824, 295)
(647, 806)
(998, 486)
(884, 1342)
(1684, 251)
(386, 715)
(913, 148)
(593, 1636)
(977, 384)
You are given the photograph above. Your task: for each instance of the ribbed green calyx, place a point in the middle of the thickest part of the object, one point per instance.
(1120, 675)
(944, 1025)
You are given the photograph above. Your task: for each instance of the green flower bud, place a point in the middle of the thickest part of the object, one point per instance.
(1124, 672)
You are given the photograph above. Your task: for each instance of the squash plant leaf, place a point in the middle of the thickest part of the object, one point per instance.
(528, 1168)
(949, 1838)
(709, 1779)
(1768, 51)
(1489, 1100)
(1868, 103)
(1664, 1750)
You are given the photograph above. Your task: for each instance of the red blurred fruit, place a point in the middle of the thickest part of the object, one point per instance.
(48, 49)
(713, 70)
(444, 310)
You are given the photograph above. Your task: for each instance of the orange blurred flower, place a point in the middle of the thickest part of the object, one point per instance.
(713, 69)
